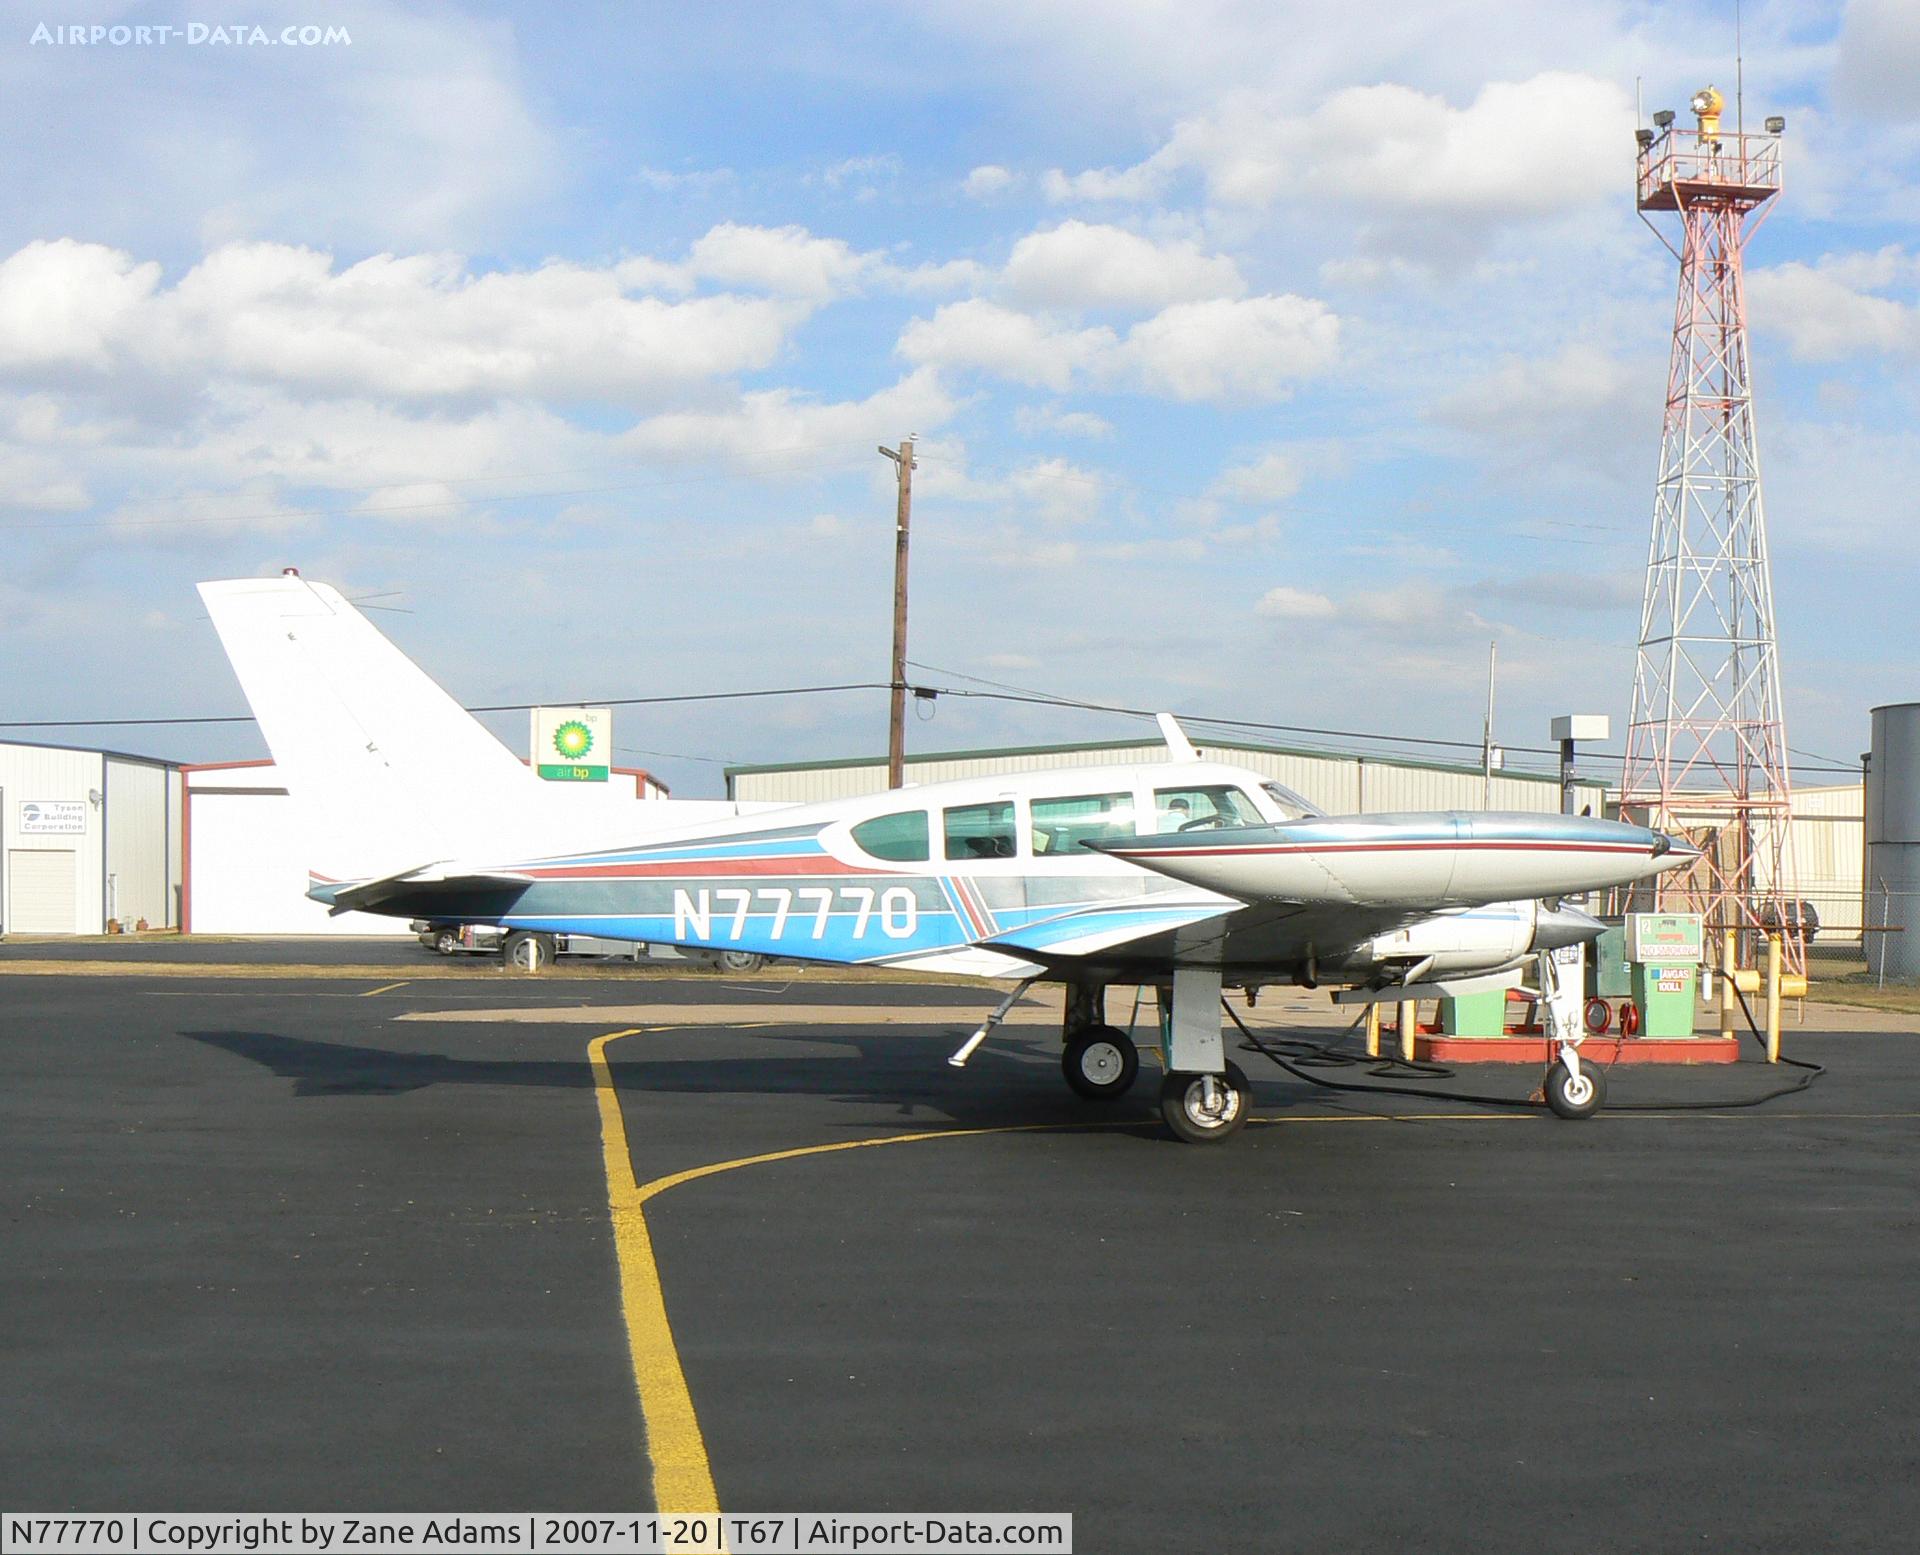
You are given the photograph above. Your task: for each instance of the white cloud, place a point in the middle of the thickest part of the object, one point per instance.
(791, 261)
(1056, 491)
(1831, 309)
(999, 340)
(699, 180)
(1519, 149)
(1129, 185)
(1273, 477)
(1079, 265)
(1245, 349)
(1253, 348)
(862, 175)
(1877, 74)
(986, 181)
(763, 430)
(1580, 409)
(1291, 604)
(1068, 423)
(67, 304)
(788, 260)
(419, 135)
(420, 327)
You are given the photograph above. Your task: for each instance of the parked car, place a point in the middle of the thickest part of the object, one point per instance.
(1801, 917)
(532, 949)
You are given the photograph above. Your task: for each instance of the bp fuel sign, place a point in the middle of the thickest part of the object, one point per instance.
(572, 744)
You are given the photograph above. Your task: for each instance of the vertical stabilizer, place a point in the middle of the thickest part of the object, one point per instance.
(387, 771)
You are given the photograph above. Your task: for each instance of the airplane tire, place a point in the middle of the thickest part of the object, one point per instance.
(527, 951)
(1100, 1063)
(1576, 1100)
(1183, 1104)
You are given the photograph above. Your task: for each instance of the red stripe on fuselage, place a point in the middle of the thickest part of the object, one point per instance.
(1380, 847)
(672, 869)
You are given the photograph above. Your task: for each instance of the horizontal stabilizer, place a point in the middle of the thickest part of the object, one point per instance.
(422, 885)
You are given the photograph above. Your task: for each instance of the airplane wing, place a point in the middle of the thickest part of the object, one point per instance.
(1104, 926)
(1148, 939)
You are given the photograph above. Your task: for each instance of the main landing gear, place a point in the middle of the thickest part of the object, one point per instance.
(1204, 1097)
(1100, 1063)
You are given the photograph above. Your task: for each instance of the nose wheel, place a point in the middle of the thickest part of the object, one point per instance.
(1100, 1063)
(1203, 1108)
(1574, 1095)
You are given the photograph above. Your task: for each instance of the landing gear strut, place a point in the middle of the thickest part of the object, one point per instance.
(1573, 1089)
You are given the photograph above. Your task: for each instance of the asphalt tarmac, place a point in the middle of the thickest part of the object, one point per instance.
(279, 1244)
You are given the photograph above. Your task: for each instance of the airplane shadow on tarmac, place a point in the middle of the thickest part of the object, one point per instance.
(1015, 1083)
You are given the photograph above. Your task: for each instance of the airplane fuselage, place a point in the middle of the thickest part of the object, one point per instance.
(1002, 876)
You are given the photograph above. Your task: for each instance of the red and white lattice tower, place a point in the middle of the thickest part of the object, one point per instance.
(1706, 744)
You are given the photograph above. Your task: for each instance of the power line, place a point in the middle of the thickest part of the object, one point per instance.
(1027, 697)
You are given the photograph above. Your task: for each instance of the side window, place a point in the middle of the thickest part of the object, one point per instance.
(1197, 809)
(981, 830)
(901, 838)
(1061, 825)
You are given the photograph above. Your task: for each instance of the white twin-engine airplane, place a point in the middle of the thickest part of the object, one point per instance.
(1187, 875)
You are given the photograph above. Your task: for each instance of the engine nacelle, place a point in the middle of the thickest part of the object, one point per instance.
(1461, 944)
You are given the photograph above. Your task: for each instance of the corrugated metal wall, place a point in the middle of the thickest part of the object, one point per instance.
(1340, 785)
(138, 863)
(30, 773)
(1829, 853)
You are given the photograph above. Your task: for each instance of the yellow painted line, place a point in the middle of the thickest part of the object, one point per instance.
(682, 1472)
(682, 1478)
(388, 989)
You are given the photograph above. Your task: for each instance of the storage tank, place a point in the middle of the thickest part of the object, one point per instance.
(1893, 841)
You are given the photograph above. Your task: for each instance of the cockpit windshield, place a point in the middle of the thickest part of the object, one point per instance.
(1296, 808)
(1203, 808)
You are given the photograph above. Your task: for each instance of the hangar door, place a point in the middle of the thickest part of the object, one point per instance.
(43, 886)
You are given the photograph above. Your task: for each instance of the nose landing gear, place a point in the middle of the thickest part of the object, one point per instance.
(1201, 1109)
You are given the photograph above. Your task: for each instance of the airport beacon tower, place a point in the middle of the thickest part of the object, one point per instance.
(1706, 743)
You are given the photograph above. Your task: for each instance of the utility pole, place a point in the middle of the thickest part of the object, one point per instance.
(903, 462)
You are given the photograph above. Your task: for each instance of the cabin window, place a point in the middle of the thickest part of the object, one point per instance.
(981, 830)
(1196, 809)
(1062, 825)
(901, 838)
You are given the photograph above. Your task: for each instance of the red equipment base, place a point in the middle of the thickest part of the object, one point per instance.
(1610, 1049)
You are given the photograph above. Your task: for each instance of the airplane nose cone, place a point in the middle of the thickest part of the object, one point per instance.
(1671, 853)
(1557, 927)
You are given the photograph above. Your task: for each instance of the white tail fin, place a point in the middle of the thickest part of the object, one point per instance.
(386, 770)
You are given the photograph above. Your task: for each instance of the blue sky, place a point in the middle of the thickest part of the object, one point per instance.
(1268, 360)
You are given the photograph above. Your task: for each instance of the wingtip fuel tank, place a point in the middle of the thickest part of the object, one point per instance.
(1461, 858)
